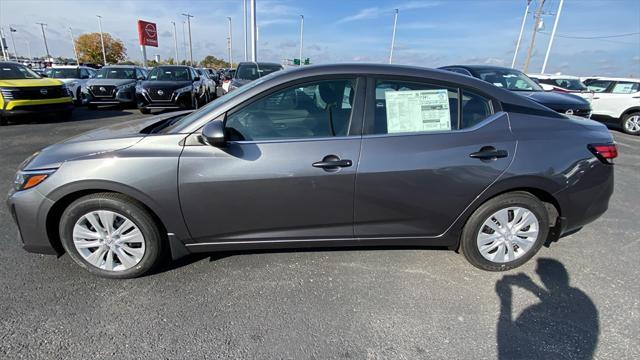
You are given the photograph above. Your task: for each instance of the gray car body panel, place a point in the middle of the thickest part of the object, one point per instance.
(414, 190)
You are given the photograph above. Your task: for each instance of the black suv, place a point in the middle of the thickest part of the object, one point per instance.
(114, 85)
(171, 87)
(246, 72)
(520, 83)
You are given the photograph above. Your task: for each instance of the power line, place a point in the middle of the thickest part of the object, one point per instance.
(594, 37)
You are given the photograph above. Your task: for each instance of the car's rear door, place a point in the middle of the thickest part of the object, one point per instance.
(425, 156)
(288, 172)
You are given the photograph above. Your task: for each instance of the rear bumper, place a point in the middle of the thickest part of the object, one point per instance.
(28, 209)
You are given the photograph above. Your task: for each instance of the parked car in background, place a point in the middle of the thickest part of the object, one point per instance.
(23, 91)
(317, 156)
(75, 77)
(520, 83)
(560, 83)
(114, 85)
(210, 85)
(617, 100)
(227, 75)
(249, 71)
(171, 87)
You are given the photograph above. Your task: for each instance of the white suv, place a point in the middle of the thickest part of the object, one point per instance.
(73, 76)
(617, 99)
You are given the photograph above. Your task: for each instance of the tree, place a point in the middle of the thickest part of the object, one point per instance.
(211, 61)
(90, 48)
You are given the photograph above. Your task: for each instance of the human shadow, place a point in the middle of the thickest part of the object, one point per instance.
(562, 325)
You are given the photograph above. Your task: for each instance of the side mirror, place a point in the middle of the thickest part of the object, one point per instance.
(141, 78)
(84, 77)
(535, 80)
(213, 134)
(197, 78)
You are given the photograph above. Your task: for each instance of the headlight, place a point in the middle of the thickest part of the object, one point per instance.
(126, 86)
(27, 179)
(185, 89)
(139, 88)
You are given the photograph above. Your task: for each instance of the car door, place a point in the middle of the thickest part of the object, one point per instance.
(287, 173)
(621, 96)
(428, 150)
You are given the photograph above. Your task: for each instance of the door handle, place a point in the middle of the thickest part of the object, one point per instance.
(332, 163)
(489, 153)
(596, 98)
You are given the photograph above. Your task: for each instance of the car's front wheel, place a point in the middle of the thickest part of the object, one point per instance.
(111, 235)
(505, 232)
(631, 123)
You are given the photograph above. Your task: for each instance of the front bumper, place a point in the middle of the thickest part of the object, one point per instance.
(124, 96)
(25, 107)
(29, 209)
(177, 101)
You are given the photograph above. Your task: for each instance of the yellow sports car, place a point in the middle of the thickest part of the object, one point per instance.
(22, 91)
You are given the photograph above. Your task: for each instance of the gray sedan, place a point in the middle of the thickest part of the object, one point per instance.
(332, 155)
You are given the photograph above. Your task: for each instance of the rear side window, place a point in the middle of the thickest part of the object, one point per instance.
(475, 108)
(626, 88)
(598, 85)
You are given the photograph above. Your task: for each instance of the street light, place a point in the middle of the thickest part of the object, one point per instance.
(524, 20)
(175, 41)
(229, 44)
(393, 36)
(44, 37)
(13, 42)
(189, 16)
(244, 28)
(301, 36)
(553, 34)
(74, 46)
(104, 53)
(254, 35)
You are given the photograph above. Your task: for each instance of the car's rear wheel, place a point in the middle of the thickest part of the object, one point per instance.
(111, 235)
(505, 232)
(631, 123)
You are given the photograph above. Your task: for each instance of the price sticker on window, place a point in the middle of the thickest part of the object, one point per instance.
(417, 111)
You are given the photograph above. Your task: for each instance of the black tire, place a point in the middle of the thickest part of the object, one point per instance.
(121, 204)
(78, 100)
(92, 106)
(623, 123)
(144, 111)
(3, 121)
(468, 245)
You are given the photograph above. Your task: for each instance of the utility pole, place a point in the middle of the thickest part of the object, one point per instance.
(524, 20)
(244, 28)
(29, 49)
(301, 36)
(184, 40)
(189, 16)
(104, 53)
(74, 46)
(533, 35)
(44, 37)
(254, 35)
(229, 44)
(393, 36)
(2, 42)
(13, 42)
(175, 41)
(553, 34)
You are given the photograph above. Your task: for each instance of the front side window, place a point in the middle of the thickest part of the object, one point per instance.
(626, 88)
(406, 107)
(318, 109)
(569, 84)
(599, 85)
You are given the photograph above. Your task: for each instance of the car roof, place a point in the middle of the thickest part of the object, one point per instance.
(120, 66)
(259, 63)
(553, 76)
(613, 78)
(479, 67)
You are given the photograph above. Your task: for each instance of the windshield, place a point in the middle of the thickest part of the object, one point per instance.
(63, 73)
(254, 71)
(177, 126)
(570, 84)
(169, 74)
(116, 73)
(508, 79)
(16, 72)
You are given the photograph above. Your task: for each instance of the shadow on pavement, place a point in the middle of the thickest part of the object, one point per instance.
(563, 325)
(78, 114)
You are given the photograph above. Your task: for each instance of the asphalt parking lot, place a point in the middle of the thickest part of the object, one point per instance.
(577, 297)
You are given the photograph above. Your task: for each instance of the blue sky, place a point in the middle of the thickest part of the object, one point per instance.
(430, 33)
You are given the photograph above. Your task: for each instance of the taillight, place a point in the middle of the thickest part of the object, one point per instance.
(605, 152)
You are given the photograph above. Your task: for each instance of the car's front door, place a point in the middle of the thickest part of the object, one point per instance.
(287, 173)
(428, 150)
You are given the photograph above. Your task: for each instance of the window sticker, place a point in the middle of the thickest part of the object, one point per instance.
(418, 110)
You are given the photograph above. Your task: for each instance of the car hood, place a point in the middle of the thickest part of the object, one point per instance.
(66, 81)
(239, 82)
(30, 82)
(169, 85)
(103, 140)
(556, 101)
(109, 82)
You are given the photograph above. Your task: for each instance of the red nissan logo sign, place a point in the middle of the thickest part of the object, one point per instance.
(147, 33)
(150, 29)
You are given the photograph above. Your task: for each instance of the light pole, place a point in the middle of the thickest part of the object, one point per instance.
(184, 40)
(244, 28)
(301, 36)
(104, 53)
(229, 43)
(13, 42)
(524, 20)
(393, 36)
(175, 41)
(44, 37)
(254, 37)
(189, 16)
(553, 34)
(74, 46)
(2, 42)
(533, 36)
(29, 49)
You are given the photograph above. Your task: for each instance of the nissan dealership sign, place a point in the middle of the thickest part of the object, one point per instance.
(147, 33)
